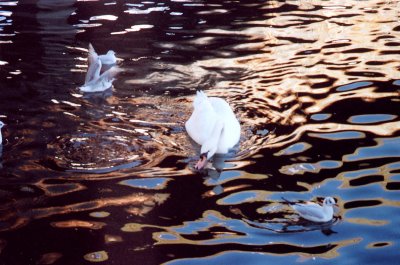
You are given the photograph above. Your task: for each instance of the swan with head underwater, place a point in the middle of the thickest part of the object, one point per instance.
(213, 125)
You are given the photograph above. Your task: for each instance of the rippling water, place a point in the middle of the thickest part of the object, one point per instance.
(108, 177)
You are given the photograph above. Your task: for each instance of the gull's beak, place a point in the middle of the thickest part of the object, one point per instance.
(202, 162)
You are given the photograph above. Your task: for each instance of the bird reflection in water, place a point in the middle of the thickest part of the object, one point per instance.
(99, 97)
(214, 170)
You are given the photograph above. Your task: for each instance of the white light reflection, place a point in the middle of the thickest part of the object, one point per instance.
(9, 3)
(139, 27)
(71, 104)
(86, 25)
(70, 114)
(104, 17)
(135, 11)
(5, 13)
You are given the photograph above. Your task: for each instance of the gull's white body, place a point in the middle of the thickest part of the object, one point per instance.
(100, 82)
(213, 125)
(1, 136)
(315, 212)
(94, 81)
(108, 58)
(94, 69)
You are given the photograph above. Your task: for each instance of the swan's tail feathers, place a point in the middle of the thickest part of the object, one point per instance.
(200, 93)
(200, 98)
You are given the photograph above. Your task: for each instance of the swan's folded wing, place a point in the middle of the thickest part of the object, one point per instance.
(203, 119)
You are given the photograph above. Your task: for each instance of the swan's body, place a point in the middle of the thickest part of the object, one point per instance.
(213, 125)
(1, 137)
(94, 81)
(315, 212)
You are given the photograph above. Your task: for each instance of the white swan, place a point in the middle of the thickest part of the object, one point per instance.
(315, 212)
(1, 137)
(213, 125)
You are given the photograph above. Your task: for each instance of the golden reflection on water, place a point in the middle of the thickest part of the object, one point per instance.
(50, 258)
(136, 203)
(300, 59)
(367, 221)
(78, 224)
(336, 45)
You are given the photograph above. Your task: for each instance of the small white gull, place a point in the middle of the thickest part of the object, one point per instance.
(313, 211)
(95, 80)
(106, 59)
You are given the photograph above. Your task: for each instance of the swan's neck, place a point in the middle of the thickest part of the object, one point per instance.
(211, 145)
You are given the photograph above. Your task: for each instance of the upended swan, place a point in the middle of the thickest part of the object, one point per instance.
(314, 212)
(95, 81)
(1, 137)
(213, 125)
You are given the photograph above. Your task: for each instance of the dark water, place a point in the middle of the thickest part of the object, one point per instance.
(108, 177)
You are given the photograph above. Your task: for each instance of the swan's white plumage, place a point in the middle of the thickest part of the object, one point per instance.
(213, 125)
(315, 212)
